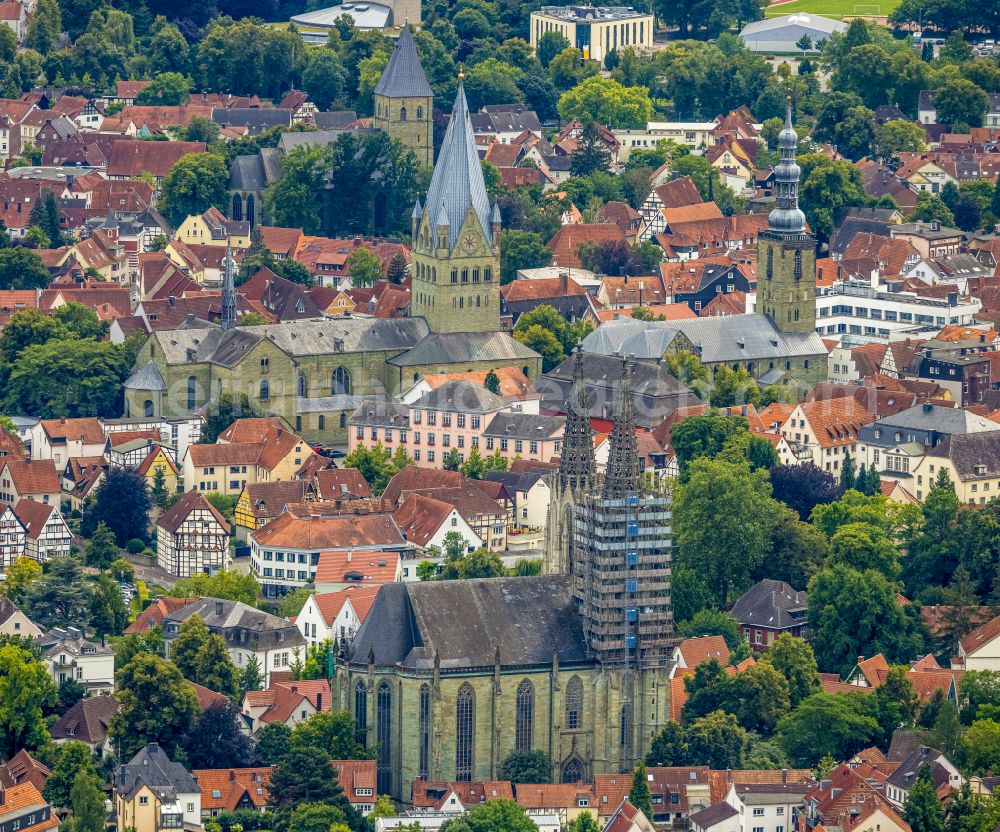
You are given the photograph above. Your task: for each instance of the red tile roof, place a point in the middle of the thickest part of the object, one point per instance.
(131, 158)
(32, 477)
(224, 789)
(568, 239)
(331, 603)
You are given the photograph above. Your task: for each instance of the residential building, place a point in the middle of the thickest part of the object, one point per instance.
(824, 432)
(339, 570)
(46, 533)
(357, 778)
(22, 807)
(192, 538)
(12, 536)
(28, 480)
(286, 703)
(691, 652)
(60, 439)
(89, 722)
(595, 30)
(425, 523)
(335, 616)
(930, 239)
(152, 792)
(13, 622)
(23, 768)
(533, 437)
(944, 774)
(233, 789)
(286, 553)
(926, 113)
(768, 609)
(213, 228)
(695, 135)
(247, 632)
(962, 368)
(980, 649)
(67, 656)
(530, 492)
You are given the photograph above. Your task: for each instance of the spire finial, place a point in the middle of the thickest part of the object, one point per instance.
(788, 111)
(461, 73)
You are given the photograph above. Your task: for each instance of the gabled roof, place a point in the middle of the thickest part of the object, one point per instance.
(980, 637)
(86, 430)
(32, 476)
(18, 801)
(678, 192)
(132, 157)
(34, 516)
(23, 768)
(341, 532)
(695, 651)
(338, 566)
(172, 519)
(421, 517)
(224, 788)
(154, 614)
(330, 604)
(152, 767)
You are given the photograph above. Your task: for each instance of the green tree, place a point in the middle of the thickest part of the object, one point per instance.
(492, 382)
(722, 517)
(73, 758)
(544, 343)
(759, 698)
(226, 410)
(108, 613)
(323, 77)
(156, 705)
(363, 266)
(21, 576)
(709, 622)
(168, 89)
(168, 50)
(520, 250)
(865, 547)
(102, 549)
(825, 723)
(190, 642)
(45, 28)
(526, 767)
(827, 187)
(398, 268)
(639, 795)
(794, 659)
(201, 129)
(331, 731)
(482, 563)
(25, 690)
(251, 677)
(81, 321)
(316, 817)
(87, 801)
(197, 182)
(704, 435)
(122, 503)
(215, 740)
(492, 816)
(898, 136)
(214, 668)
(61, 598)
(592, 154)
(375, 465)
(226, 584)
(980, 746)
(717, 740)
(959, 102)
(930, 208)
(549, 45)
(669, 747)
(274, 741)
(73, 378)
(126, 647)
(303, 776)
(21, 268)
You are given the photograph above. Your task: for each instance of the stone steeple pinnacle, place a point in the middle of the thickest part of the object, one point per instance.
(403, 76)
(576, 463)
(228, 292)
(621, 477)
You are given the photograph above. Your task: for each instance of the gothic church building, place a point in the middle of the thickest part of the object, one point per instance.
(447, 678)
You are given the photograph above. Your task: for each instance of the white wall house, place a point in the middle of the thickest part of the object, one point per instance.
(335, 615)
(69, 656)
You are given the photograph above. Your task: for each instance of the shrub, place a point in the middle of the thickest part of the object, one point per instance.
(135, 546)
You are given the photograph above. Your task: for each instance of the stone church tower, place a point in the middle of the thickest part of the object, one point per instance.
(577, 475)
(456, 238)
(404, 103)
(786, 252)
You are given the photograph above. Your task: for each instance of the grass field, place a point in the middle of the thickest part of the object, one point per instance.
(834, 8)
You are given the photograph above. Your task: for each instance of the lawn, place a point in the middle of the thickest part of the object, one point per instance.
(833, 8)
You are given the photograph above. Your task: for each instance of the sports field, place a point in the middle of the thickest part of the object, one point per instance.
(833, 8)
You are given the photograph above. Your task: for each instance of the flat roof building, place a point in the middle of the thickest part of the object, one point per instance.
(595, 30)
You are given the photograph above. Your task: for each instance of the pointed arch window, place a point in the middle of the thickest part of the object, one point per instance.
(770, 262)
(465, 727)
(340, 382)
(383, 731)
(251, 211)
(402, 113)
(572, 772)
(237, 212)
(303, 386)
(574, 704)
(361, 712)
(798, 265)
(525, 716)
(420, 113)
(192, 392)
(424, 763)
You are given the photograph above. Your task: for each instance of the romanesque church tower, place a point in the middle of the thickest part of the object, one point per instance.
(456, 238)
(404, 103)
(786, 252)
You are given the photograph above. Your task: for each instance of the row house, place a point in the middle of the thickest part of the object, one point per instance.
(63, 439)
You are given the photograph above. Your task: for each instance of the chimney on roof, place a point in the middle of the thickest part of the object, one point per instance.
(232, 775)
(928, 407)
(319, 701)
(218, 607)
(860, 659)
(784, 776)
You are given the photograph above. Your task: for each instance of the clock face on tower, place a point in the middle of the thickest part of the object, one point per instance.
(469, 242)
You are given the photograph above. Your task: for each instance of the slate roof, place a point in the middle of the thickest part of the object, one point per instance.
(403, 76)
(147, 377)
(460, 396)
(712, 815)
(465, 623)
(457, 184)
(656, 393)
(530, 426)
(974, 455)
(906, 775)
(335, 120)
(514, 481)
(224, 615)
(950, 420)
(255, 119)
(458, 347)
(769, 603)
(153, 768)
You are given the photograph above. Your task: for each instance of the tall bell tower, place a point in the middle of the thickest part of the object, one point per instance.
(786, 252)
(456, 238)
(404, 103)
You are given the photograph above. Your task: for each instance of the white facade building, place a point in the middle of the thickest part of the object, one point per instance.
(67, 656)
